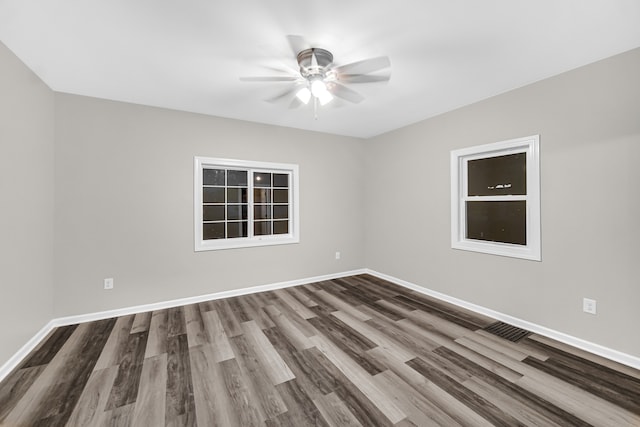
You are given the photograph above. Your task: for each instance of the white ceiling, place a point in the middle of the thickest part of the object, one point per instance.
(189, 54)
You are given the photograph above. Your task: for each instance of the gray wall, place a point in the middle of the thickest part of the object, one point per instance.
(124, 204)
(26, 210)
(589, 125)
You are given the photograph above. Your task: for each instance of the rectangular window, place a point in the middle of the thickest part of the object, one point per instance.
(495, 198)
(243, 203)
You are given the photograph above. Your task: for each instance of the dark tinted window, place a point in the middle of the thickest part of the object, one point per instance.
(495, 176)
(213, 176)
(237, 178)
(498, 221)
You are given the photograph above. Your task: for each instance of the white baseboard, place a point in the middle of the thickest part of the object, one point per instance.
(615, 355)
(26, 349)
(15, 360)
(90, 317)
(608, 353)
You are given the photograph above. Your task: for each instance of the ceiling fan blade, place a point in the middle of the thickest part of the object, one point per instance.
(269, 79)
(297, 44)
(295, 103)
(344, 92)
(362, 78)
(281, 69)
(283, 96)
(365, 66)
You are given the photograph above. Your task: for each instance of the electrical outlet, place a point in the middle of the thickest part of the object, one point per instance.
(337, 255)
(589, 305)
(108, 283)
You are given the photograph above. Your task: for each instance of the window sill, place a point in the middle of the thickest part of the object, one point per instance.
(497, 248)
(221, 244)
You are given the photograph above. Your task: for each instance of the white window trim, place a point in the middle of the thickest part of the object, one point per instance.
(459, 158)
(278, 239)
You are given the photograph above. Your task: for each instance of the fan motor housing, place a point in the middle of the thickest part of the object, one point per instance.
(324, 58)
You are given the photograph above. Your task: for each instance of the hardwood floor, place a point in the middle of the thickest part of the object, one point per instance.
(357, 351)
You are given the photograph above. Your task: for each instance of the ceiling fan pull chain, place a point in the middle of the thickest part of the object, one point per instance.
(315, 108)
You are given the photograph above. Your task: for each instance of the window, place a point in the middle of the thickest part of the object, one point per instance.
(495, 198)
(243, 203)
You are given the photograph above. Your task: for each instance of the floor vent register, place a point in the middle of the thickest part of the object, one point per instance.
(507, 331)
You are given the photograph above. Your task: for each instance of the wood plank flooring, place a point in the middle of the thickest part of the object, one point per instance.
(357, 351)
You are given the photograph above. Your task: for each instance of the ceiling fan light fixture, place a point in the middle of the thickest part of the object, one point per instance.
(320, 91)
(304, 95)
(325, 97)
(318, 88)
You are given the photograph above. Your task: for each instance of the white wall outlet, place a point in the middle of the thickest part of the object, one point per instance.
(337, 255)
(108, 283)
(589, 305)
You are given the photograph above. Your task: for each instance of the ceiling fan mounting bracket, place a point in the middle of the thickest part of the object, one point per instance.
(318, 68)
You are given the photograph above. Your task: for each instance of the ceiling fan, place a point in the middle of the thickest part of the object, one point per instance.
(320, 80)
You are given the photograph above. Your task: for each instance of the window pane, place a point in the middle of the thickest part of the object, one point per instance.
(213, 194)
(213, 176)
(237, 229)
(237, 178)
(281, 211)
(280, 227)
(236, 195)
(499, 221)
(280, 180)
(213, 213)
(499, 175)
(261, 228)
(262, 212)
(213, 231)
(261, 195)
(280, 196)
(237, 212)
(262, 179)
